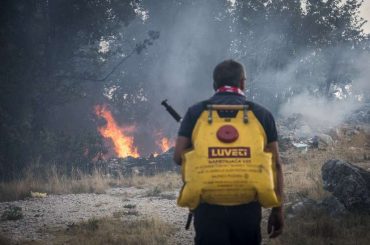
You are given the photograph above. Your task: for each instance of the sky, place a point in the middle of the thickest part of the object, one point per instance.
(365, 12)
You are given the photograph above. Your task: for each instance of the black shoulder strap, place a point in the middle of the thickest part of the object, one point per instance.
(205, 103)
(250, 104)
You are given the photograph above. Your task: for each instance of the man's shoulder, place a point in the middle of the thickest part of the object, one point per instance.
(259, 109)
(198, 107)
(267, 121)
(190, 118)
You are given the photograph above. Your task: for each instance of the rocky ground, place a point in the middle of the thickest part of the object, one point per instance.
(58, 212)
(303, 158)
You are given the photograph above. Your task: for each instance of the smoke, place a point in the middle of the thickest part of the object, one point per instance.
(324, 112)
(192, 42)
(196, 35)
(361, 84)
(192, 47)
(318, 112)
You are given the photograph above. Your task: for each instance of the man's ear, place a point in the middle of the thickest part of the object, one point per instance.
(242, 84)
(214, 86)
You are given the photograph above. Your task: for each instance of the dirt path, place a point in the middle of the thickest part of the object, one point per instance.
(60, 211)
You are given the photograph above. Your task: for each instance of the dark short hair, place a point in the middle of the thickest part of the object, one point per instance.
(228, 73)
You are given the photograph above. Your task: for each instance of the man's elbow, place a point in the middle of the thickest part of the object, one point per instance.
(177, 159)
(182, 144)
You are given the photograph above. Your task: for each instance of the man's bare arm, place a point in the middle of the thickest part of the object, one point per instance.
(182, 144)
(276, 220)
(274, 149)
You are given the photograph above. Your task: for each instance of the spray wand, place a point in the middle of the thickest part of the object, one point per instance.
(172, 111)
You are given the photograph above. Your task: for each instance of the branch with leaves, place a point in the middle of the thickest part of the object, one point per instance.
(153, 35)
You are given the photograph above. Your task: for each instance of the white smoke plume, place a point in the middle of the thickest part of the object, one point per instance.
(319, 112)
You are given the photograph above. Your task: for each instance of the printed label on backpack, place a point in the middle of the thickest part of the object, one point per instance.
(229, 152)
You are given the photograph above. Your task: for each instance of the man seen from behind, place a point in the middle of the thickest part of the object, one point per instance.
(232, 224)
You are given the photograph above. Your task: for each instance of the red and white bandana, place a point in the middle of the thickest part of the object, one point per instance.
(230, 89)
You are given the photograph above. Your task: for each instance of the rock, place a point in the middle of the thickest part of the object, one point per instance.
(284, 143)
(322, 141)
(303, 147)
(329, 205)
(361, 115)
(333, 206)
(297, 207)
(294, 131)
(301, 205)
(348, 183)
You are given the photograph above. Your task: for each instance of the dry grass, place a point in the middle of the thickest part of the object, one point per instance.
(112, 230)
(302, 172)
(303, 180)
(167, 181)
(116, 231)
(53, 183)
(317, 227)
(302, 176)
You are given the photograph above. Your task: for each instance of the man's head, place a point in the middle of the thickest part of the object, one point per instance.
(229, 73)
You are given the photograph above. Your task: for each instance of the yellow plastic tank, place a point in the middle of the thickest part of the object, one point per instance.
(228, 170)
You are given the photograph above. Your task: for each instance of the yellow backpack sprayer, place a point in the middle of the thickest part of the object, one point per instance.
(227, 164)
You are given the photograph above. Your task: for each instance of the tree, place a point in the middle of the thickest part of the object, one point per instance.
(42, 39)
(290, 48)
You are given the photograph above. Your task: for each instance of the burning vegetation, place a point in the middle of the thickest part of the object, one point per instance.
(123, 138)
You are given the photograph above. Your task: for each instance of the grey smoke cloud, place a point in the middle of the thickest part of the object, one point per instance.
(192, 42)
(319, 113)
(322, 113)
(193, 39)
(361, 84)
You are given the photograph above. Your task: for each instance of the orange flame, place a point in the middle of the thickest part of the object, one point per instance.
(123, 144)
(164, 143)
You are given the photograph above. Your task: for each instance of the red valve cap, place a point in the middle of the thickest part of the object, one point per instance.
(227, 134)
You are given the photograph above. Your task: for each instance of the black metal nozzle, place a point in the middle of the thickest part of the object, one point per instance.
(172, 111)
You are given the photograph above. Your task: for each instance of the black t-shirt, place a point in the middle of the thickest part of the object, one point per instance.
(263, 115)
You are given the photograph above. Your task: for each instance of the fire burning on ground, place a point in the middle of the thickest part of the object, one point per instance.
(164, 144)
(122, 141)
(122, 136)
